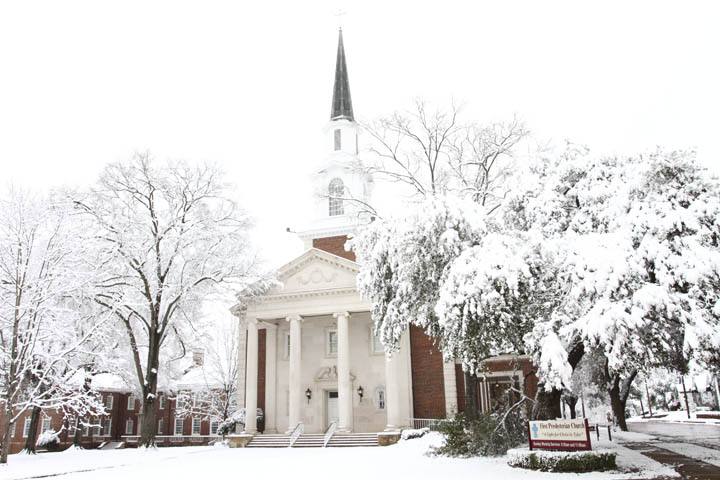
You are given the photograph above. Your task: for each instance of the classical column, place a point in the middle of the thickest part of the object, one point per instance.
(270, 378)
(295, 387)
(451, 400)
(345, 411)
(251, 377)
(392, 392)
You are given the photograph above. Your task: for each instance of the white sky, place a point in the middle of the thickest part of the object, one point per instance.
(249, 86)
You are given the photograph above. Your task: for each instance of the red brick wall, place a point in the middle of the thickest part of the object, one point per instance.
(334, 245)
(460, 387)
(427, 376)
(524, 365)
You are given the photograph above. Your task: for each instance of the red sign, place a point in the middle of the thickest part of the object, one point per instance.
(559, 435)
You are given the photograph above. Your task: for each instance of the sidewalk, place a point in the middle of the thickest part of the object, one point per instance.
(689, 468)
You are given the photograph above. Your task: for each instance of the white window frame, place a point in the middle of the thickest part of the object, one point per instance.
(336, 191)
(131, 402)
(214, 425)
(376, 346)
(196, 425)
(181, 422)
(162, 401)
(129, 427)
(109, 402)
(96, 430)
(328, 351)
(85, 430)
(26, 427)
(161, 424)
(380, 403)
(107, 427)
(45, 425)
(12, 429)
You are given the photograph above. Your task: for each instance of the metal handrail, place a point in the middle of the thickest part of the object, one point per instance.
(299, 430)
(329, 433)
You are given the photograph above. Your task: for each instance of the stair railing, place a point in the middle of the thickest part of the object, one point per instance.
(329, 433)
(299, 430)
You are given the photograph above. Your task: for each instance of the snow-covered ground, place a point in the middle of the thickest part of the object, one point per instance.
(407, 459)
(678, 416)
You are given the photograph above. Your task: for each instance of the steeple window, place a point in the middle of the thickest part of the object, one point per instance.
(336, 191)
(338, 139)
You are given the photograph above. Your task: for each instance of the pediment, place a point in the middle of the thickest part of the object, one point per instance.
(316, 270)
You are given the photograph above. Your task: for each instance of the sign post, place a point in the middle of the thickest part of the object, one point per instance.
(559, 435)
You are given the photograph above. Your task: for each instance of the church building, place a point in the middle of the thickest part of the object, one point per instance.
(309, 358)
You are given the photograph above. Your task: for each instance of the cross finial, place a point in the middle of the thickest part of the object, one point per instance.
(339, 13)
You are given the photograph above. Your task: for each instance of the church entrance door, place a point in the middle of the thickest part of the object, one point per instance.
(332, 407)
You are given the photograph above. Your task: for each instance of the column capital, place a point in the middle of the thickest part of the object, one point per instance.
(296, 318)
(239, 310)
(341, 314)
(251, 320)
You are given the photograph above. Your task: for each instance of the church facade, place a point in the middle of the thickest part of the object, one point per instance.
(308, 351)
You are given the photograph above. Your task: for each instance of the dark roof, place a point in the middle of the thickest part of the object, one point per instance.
(341, 102)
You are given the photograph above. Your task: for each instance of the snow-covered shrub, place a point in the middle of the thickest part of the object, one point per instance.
(49, 439)
(489, 434)
(238, 417)
(546, 461)
(411, 433)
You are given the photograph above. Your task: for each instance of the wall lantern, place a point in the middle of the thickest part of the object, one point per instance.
(361, 392)
(308, 394)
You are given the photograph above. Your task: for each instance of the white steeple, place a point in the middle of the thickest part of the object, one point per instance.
(341, 187)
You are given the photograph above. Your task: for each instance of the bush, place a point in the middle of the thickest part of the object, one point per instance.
(238, 417)
(409, 434)
(486, 435)
(49, 440)
(585, 461)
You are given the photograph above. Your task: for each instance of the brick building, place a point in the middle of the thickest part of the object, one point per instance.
(121, 425)
(310, 356)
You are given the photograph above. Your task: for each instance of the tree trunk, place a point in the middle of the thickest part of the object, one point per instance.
(77, 438)
(32, 434)
(5, 447)
(571, 401)
(619, 392)
(547, 403)
(472, 407)
(148, 428)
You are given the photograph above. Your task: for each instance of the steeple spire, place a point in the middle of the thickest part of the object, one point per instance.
(341, 102)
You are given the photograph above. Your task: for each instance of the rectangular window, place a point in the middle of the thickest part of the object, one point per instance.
(26, 427)
(375, 342)
(196, 426)
(178, 426)
(45, 425)
(107, 427)
(380, 398)
(109, 403)
(129, 427)
(12, 430)
(286, 353)
(160, 427)
(85, 430)
(131, 402)
(338, 139)
(162, 402)
(332, 342)
(96, 430)
(214, 427)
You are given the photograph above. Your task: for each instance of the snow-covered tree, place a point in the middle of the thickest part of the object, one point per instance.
(44, 334)
(640, 265)
(207, 389)
(168, 236)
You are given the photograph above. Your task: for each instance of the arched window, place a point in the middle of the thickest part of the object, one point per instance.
(380, 398)
(336, 190)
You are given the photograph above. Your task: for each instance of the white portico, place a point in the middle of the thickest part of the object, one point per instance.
(319, 350)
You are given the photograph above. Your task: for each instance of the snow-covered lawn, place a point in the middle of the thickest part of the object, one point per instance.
(404, 460)
(678, 416)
